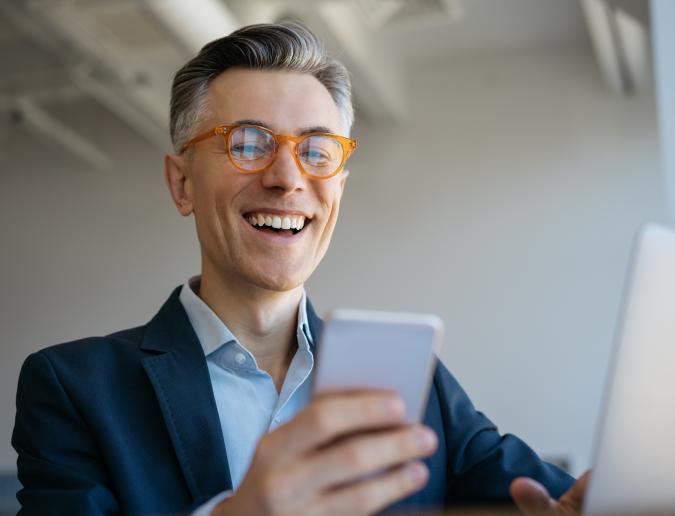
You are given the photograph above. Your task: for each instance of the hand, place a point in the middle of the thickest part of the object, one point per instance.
(533, 499)
(346, 453)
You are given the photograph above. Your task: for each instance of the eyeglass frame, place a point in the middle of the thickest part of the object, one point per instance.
(348, 146)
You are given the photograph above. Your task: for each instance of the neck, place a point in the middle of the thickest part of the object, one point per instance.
(263, 321)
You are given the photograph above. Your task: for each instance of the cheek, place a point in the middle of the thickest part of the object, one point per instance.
(218, 192)
(335, 196)
(331, 200)
(207, 206)
(215, 222)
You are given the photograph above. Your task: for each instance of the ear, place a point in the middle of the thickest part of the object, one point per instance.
(180, 187)
(343, 179)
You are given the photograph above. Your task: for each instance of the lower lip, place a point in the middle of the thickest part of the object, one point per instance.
(276, 238)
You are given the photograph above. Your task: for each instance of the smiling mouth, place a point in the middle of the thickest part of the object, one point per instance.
(287, 225)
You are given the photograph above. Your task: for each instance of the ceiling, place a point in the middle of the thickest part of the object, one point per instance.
(489, 26)
(70, 64)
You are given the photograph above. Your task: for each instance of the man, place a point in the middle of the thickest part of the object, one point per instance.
(207, 407)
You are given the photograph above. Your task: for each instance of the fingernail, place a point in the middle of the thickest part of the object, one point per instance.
(395, 407)
(417, 472)
(426, 439)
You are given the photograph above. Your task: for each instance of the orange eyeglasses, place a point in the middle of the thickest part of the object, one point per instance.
(252, 148)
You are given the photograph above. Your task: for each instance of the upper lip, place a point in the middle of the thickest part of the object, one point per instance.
(281, 213)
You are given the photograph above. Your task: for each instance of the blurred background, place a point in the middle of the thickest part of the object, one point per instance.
(508, 151)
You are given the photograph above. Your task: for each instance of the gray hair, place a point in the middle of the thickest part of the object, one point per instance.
(283, 46)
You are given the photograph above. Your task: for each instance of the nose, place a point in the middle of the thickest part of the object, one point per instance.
(283, 173)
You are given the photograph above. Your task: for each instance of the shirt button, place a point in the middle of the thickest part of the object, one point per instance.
(277, 419)
(240, 358)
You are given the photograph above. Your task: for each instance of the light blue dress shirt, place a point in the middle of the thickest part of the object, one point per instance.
(248, 402)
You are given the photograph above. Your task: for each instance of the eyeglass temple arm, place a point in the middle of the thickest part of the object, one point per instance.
(201, 137)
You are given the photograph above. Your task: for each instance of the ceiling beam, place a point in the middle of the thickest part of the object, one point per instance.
(620, 44)
(194, 23)
(598, 19)
(376, 75)
(638, 9)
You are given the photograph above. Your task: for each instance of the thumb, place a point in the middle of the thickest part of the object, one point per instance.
(531, 497)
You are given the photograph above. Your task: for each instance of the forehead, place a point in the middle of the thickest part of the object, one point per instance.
(287, 102)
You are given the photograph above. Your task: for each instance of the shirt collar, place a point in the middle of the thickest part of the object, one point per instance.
(213, 333)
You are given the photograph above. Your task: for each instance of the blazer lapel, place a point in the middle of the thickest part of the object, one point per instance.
(179, 375)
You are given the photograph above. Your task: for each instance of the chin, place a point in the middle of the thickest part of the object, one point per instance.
(279, 280)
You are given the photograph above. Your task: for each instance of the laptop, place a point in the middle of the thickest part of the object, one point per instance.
(634, 463)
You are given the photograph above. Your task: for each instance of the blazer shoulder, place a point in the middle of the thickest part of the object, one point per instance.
(90, 350)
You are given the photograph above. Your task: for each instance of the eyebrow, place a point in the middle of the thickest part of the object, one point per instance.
(306, 130)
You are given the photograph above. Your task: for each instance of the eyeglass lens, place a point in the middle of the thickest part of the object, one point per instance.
(253, 148)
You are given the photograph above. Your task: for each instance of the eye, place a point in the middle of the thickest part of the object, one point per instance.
(319, 151)
(247, 150)
(315, 156)
(250, 143)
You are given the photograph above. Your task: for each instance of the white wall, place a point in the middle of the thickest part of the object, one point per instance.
(509, 213)
(84, 252)
(506, 205)
(663, 38)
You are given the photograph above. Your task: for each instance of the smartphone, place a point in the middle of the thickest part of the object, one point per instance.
(361, 349)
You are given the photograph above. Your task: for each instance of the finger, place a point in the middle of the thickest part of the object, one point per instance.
(531, 497)
(362, 455)
(374, 494)
(573, 499)
(336, 415)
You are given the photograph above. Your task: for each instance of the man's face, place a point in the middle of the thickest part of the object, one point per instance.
(225, 201)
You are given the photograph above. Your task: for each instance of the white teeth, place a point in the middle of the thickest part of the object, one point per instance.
(276, 221)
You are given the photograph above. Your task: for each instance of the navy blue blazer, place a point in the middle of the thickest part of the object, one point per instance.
(128, 424)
